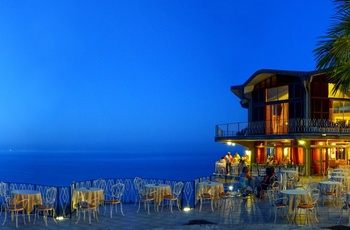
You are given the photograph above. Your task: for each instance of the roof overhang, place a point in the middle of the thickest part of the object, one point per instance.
(263, 74)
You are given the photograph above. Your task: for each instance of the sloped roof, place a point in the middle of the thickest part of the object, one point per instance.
(260, 75)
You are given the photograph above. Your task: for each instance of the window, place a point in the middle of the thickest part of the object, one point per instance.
(338, 94)
(277, 93)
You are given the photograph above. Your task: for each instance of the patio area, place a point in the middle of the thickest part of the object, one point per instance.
(245, 214)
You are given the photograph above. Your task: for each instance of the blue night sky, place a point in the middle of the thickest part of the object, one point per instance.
(141, 75)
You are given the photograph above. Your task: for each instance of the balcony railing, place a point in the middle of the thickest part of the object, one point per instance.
(290, 126)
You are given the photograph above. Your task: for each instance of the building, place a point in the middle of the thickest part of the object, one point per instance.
(293, 117)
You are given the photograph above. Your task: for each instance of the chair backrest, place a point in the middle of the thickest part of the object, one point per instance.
(329, 172)
(118, 191)
(50, 195)
(315, 194)
(139, 184)
(270, 195)
(3, 189)
(178, 188)
(15, 199)
(279, 177)
(277, 186)
(272, 179)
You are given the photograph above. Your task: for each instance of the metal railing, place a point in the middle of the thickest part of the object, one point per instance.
(281, 126)
(131, 194)
(63, 203)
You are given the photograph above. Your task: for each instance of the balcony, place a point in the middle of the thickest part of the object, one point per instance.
(282, 127)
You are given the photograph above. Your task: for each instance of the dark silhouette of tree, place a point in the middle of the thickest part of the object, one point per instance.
(333, 50)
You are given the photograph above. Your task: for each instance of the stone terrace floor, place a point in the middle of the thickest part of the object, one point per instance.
(243, 214)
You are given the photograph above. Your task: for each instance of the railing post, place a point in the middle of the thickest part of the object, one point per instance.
(58, 202)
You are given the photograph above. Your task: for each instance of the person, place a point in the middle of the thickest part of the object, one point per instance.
(241, 165)
(245, 178)
(228, 159)
(237, 157)
(267, 181)
(245, 173)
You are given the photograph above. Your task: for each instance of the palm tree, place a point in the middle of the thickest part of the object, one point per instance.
(333, 51)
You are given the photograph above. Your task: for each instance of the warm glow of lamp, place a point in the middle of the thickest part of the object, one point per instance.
(230, 143)
(59, 218)
(230, 187)
(285, 151)
(301, 142)
(247, 152)
(187, 209)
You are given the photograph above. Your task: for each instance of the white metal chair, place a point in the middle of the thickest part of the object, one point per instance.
(14, 206)
(3, 195)
(138, 183)
(87, 207)
(146, 197)
(329, 193)
(48, 205)
(174, 197)
(344, 206)
(117, 192)
(279, 204)
(204, 197)
(276, 203)
(308, 206)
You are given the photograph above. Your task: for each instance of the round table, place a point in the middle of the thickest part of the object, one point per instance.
(329, 186)
(213, 188)
(291, 194)
(33, 197)
(88, 195)
(340, 178)
(160, 190)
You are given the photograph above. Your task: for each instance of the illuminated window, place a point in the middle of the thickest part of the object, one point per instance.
(277, 93)
(338, 94)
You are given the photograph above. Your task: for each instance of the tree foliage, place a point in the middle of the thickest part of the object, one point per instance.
(333, 50)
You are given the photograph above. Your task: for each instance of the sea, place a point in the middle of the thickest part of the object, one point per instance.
(61, 168)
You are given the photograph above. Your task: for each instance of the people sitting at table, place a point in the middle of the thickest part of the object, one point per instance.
(286, 161)
(245, 179)
(267, 181)
(241, 165)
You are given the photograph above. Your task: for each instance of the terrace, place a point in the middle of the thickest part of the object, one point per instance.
(248, 213)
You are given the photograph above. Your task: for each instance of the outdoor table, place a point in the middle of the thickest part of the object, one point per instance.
(88, 195)
(329, 183)
(33, 197)
(213, 188)
(160, 190)
(292, 194)
(339, 173)
(341, 179)
(329, 186)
